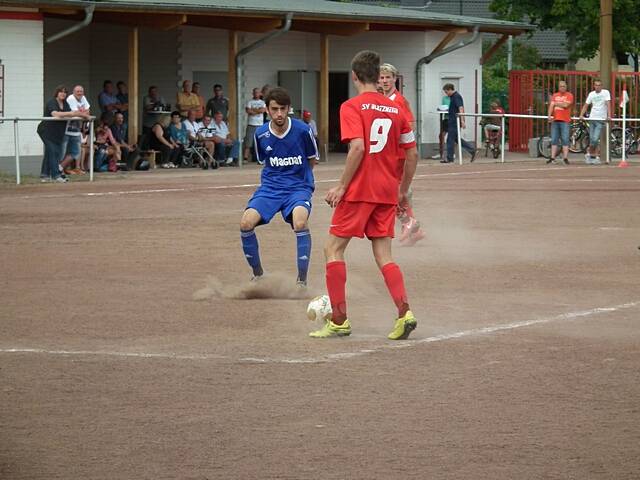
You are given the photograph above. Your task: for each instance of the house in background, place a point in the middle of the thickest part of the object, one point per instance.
(163, 42)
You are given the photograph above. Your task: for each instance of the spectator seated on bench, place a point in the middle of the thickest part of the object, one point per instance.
(226, 148)
(160, 140)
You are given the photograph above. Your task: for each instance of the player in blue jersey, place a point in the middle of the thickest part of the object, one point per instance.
(289, 152)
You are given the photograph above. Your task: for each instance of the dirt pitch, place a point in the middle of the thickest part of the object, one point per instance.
(126, 352)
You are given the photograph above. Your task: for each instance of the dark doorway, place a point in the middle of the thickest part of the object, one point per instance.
(338, 93)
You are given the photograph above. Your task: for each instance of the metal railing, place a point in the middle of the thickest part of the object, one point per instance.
(608, 122)
(16, 138)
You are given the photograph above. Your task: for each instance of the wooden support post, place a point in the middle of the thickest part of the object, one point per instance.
(134, 90)
(323, 97)
(231, 83)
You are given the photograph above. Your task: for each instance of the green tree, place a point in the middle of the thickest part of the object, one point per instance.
(580, 19)
(495, 74)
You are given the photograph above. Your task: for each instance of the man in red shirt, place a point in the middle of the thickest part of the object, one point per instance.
(375, 180)
(560, 108)
(410, 232)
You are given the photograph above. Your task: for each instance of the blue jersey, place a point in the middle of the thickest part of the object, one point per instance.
(286, 158)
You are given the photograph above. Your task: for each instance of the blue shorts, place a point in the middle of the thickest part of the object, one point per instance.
(560, 133)
(269, 202)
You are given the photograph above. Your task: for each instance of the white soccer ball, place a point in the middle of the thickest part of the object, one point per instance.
(319, 309)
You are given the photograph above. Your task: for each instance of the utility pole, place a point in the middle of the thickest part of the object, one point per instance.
(606, 47)
(606, 43)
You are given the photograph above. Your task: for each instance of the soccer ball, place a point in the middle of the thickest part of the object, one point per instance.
(319, 309)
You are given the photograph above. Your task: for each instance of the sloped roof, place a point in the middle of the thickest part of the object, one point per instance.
(321, 10)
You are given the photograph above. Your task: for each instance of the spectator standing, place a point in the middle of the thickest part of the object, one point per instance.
(196, 91)
(71, 147)
(119, 132)
(600, 101)
(52, 135)
(107, 99)
(187, 100)
(153, 102)
(307, 118)
(456, 106)
(218, 103)
(123, 100)
(560, 117)
(255, 112)
(444, 126)
(226, 147)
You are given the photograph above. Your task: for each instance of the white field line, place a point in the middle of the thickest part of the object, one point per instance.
(332, 357)
(253, 185)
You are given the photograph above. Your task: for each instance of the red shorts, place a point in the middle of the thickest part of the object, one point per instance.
(357, 219)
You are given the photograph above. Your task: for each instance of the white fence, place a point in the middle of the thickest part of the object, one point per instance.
(608, 123)
(16, 138)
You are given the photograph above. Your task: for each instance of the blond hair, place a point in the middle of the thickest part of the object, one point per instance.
(388, 68)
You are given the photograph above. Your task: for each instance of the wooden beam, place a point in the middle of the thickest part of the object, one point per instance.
(155, 21)
(232, 93)
(323, 95)
(403, 27)
(261, 25)
(444, 42)
(494, 48)
(134, 90)
(329, 28)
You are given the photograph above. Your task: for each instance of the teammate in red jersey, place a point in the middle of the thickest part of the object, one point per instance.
(375, 180)
(410, 232)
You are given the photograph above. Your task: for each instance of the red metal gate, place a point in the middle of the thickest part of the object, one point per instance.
(530, 91)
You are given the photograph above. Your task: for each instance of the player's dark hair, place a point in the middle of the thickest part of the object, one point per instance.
(278, 95)
(366, 66)
(449, 86)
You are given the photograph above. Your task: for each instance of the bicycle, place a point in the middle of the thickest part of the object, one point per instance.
(578, 136)
(492, 143)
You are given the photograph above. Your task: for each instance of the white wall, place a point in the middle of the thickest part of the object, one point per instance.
(21, 55)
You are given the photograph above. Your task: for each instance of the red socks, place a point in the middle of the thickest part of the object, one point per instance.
(337, 280)
(336, 283)
(395, 283)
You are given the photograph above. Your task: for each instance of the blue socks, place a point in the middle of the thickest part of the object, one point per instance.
(303, 238)
(251, 251)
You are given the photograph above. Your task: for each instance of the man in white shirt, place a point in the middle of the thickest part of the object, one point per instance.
(255, 109)
(71, 145)
(226, 147)
(192, 125)
(600, 101)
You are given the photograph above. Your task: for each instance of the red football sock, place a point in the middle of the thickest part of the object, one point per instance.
(336, 283)
(395, 283)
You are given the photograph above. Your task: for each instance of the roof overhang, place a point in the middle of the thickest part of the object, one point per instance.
(316, 16)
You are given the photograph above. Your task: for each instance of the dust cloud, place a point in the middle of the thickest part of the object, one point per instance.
(271, 285)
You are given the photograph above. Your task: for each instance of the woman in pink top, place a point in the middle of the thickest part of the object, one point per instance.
(106, 143)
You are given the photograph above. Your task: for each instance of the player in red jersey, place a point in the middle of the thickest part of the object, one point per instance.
(375, 180)
(410, 232)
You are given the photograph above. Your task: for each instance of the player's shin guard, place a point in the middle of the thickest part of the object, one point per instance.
(251, 250)
(303, 239)
(395, 284)
(336, 284)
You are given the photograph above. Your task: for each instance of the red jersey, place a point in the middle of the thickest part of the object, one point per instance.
(561, 114)
(400, 100)
(386, 133)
